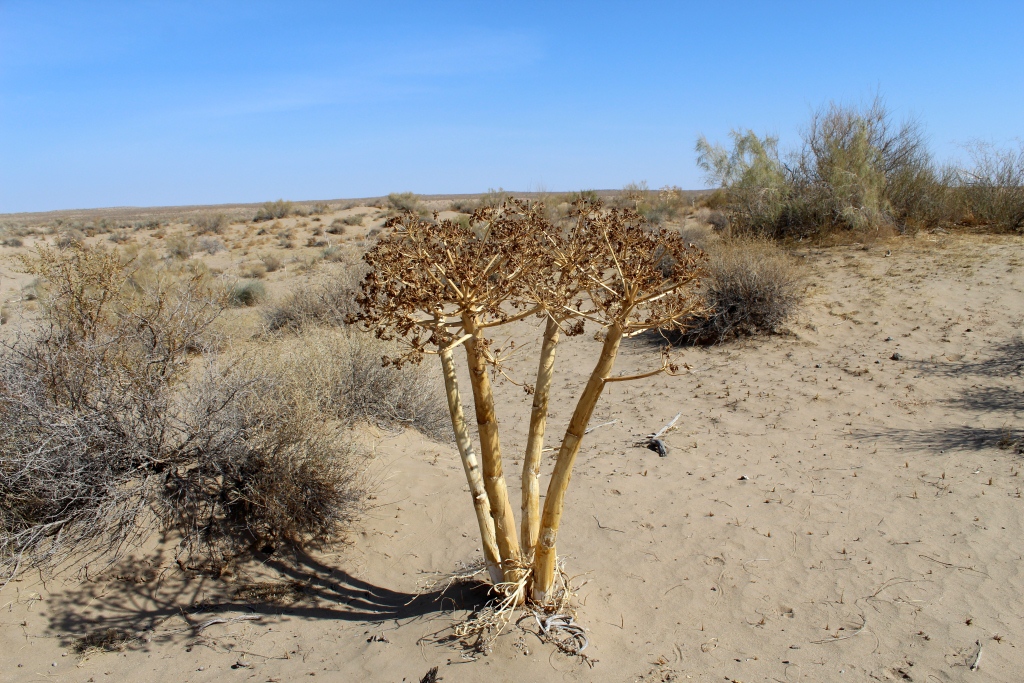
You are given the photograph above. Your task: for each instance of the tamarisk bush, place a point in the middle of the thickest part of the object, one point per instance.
(437, 285)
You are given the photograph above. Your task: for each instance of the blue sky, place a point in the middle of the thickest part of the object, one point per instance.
(165, 103)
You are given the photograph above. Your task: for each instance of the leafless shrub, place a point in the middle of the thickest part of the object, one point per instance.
(103, 425)
(326, 301)
(211, 245)
(12, 242)
(992, 190)
(751, 287)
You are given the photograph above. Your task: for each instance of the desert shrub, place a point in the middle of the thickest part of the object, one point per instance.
(271, 262)
(329, 300)
(354, 219)
(341, 374)
(211, 245)
(12, 242)
(334, 253)
(273, 210)
(668, 204)
(181, 246)
(752, 287)
(492, 199)
(991, 191)
(856, 170)
(755, 181)
(246, 293)
(318, 209)
(69, 238)
(403, 201)
(337, 226)
(253, 270)
(120, 237)
(105, 428)
(210, 223)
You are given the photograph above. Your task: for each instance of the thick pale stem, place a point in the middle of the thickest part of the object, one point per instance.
(474, 475)
(490, 455)
(544, 560)
(535, 443)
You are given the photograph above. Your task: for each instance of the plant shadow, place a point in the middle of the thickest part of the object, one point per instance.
(154, 601)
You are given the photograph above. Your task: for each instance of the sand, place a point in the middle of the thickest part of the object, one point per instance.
(824, 513)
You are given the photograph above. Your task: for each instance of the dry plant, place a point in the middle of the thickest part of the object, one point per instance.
(437, 285)
(752, 287)
(107, 428)
(327, 300)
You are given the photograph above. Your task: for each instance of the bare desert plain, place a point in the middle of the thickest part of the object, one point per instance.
(839, 502)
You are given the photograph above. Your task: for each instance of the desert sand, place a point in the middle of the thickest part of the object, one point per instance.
(824, 513)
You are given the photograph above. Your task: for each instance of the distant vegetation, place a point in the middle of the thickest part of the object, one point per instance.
(858, 171)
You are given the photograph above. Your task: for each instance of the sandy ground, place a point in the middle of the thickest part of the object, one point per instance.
(825, 513)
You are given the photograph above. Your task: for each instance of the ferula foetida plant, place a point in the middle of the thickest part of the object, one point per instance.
(438, 285)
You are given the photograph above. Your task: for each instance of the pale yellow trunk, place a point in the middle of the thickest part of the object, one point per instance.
(535, 443)
(490, 455)
(474, 475)
(544, 559)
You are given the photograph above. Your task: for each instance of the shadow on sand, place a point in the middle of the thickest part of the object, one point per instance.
(982, 401)
(154, 601)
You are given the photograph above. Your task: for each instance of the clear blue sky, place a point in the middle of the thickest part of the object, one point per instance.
(164, 103)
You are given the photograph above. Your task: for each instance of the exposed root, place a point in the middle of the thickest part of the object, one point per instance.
(556, 621)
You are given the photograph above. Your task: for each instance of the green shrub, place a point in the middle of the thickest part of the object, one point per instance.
(273, 210)
(856, 170)
(403, 202)
(246, 293)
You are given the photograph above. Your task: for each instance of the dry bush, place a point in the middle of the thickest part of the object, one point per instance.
(991, 192)
(210, 223)
(211, 245)
(105, 428)
(752, 287)
(254, 270)
(12, 242)
(181, 246)
(339, 371)
(329, 300)
(69, 238)
(337, 226)
(271, 263)
(273, 210)
(246, 293)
